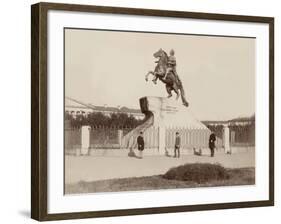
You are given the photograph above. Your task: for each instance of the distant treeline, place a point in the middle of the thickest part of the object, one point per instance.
(98, 119)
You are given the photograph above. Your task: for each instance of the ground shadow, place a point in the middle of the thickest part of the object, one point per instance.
(168, 155)
(132, 154)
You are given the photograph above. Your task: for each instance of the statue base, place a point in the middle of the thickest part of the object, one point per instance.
(165, 117)
(169, 117)
(169, 113)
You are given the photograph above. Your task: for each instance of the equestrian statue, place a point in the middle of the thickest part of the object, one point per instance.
(165, 70)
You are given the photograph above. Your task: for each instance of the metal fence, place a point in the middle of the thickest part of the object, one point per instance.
(113, 137)
(151, 138)
(105, 138)
(190, 138)
(72, 139)
(100, 137)
(242, 135)
(239, 135)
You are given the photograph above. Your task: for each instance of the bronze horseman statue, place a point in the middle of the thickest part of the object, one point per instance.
(165, 70)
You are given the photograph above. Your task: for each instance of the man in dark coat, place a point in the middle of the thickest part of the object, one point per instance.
(212, 145)
(140, 142)
(177, 145)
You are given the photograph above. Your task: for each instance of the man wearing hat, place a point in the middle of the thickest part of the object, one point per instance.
(140, 142)
(177, 145)
(212, 140)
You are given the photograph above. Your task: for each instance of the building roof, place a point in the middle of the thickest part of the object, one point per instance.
(238, 119)
(72, 103)
(241, 119)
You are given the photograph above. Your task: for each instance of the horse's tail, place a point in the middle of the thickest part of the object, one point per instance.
(184, 101)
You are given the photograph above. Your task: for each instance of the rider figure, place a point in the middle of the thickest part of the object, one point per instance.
(172, 63)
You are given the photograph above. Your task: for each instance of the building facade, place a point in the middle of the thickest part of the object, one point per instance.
(75, 108)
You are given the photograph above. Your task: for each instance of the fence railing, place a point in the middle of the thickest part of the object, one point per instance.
(115, 137)
(151, 137)
(240, 135)
(190, 138)
(106, 138)
(72, 140)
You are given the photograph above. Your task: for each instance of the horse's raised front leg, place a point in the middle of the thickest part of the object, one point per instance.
(154, 76)
(154, 80)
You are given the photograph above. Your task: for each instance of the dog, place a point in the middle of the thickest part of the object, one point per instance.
(197, 153)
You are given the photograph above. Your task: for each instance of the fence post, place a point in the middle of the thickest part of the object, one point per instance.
(85, 140)
(120, 136)
(226, 139)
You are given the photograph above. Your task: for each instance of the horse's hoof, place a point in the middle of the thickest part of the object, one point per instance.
(154, 82)
(169, 96)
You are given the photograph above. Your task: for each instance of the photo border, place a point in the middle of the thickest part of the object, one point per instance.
(39, 107)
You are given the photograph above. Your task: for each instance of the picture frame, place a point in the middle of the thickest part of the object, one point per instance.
(41, 159)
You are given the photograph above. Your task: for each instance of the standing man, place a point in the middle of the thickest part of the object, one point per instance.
(177, 145)
(212, 145)
(140, 142)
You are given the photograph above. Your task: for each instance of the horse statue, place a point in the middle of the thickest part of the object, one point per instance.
(172, 81)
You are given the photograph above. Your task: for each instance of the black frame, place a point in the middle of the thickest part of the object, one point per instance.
(39, 110)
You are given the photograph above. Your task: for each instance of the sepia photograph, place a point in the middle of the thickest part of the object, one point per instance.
(154, 111)
(144, 111)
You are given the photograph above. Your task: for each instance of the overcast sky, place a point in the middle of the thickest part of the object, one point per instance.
(106, 67)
